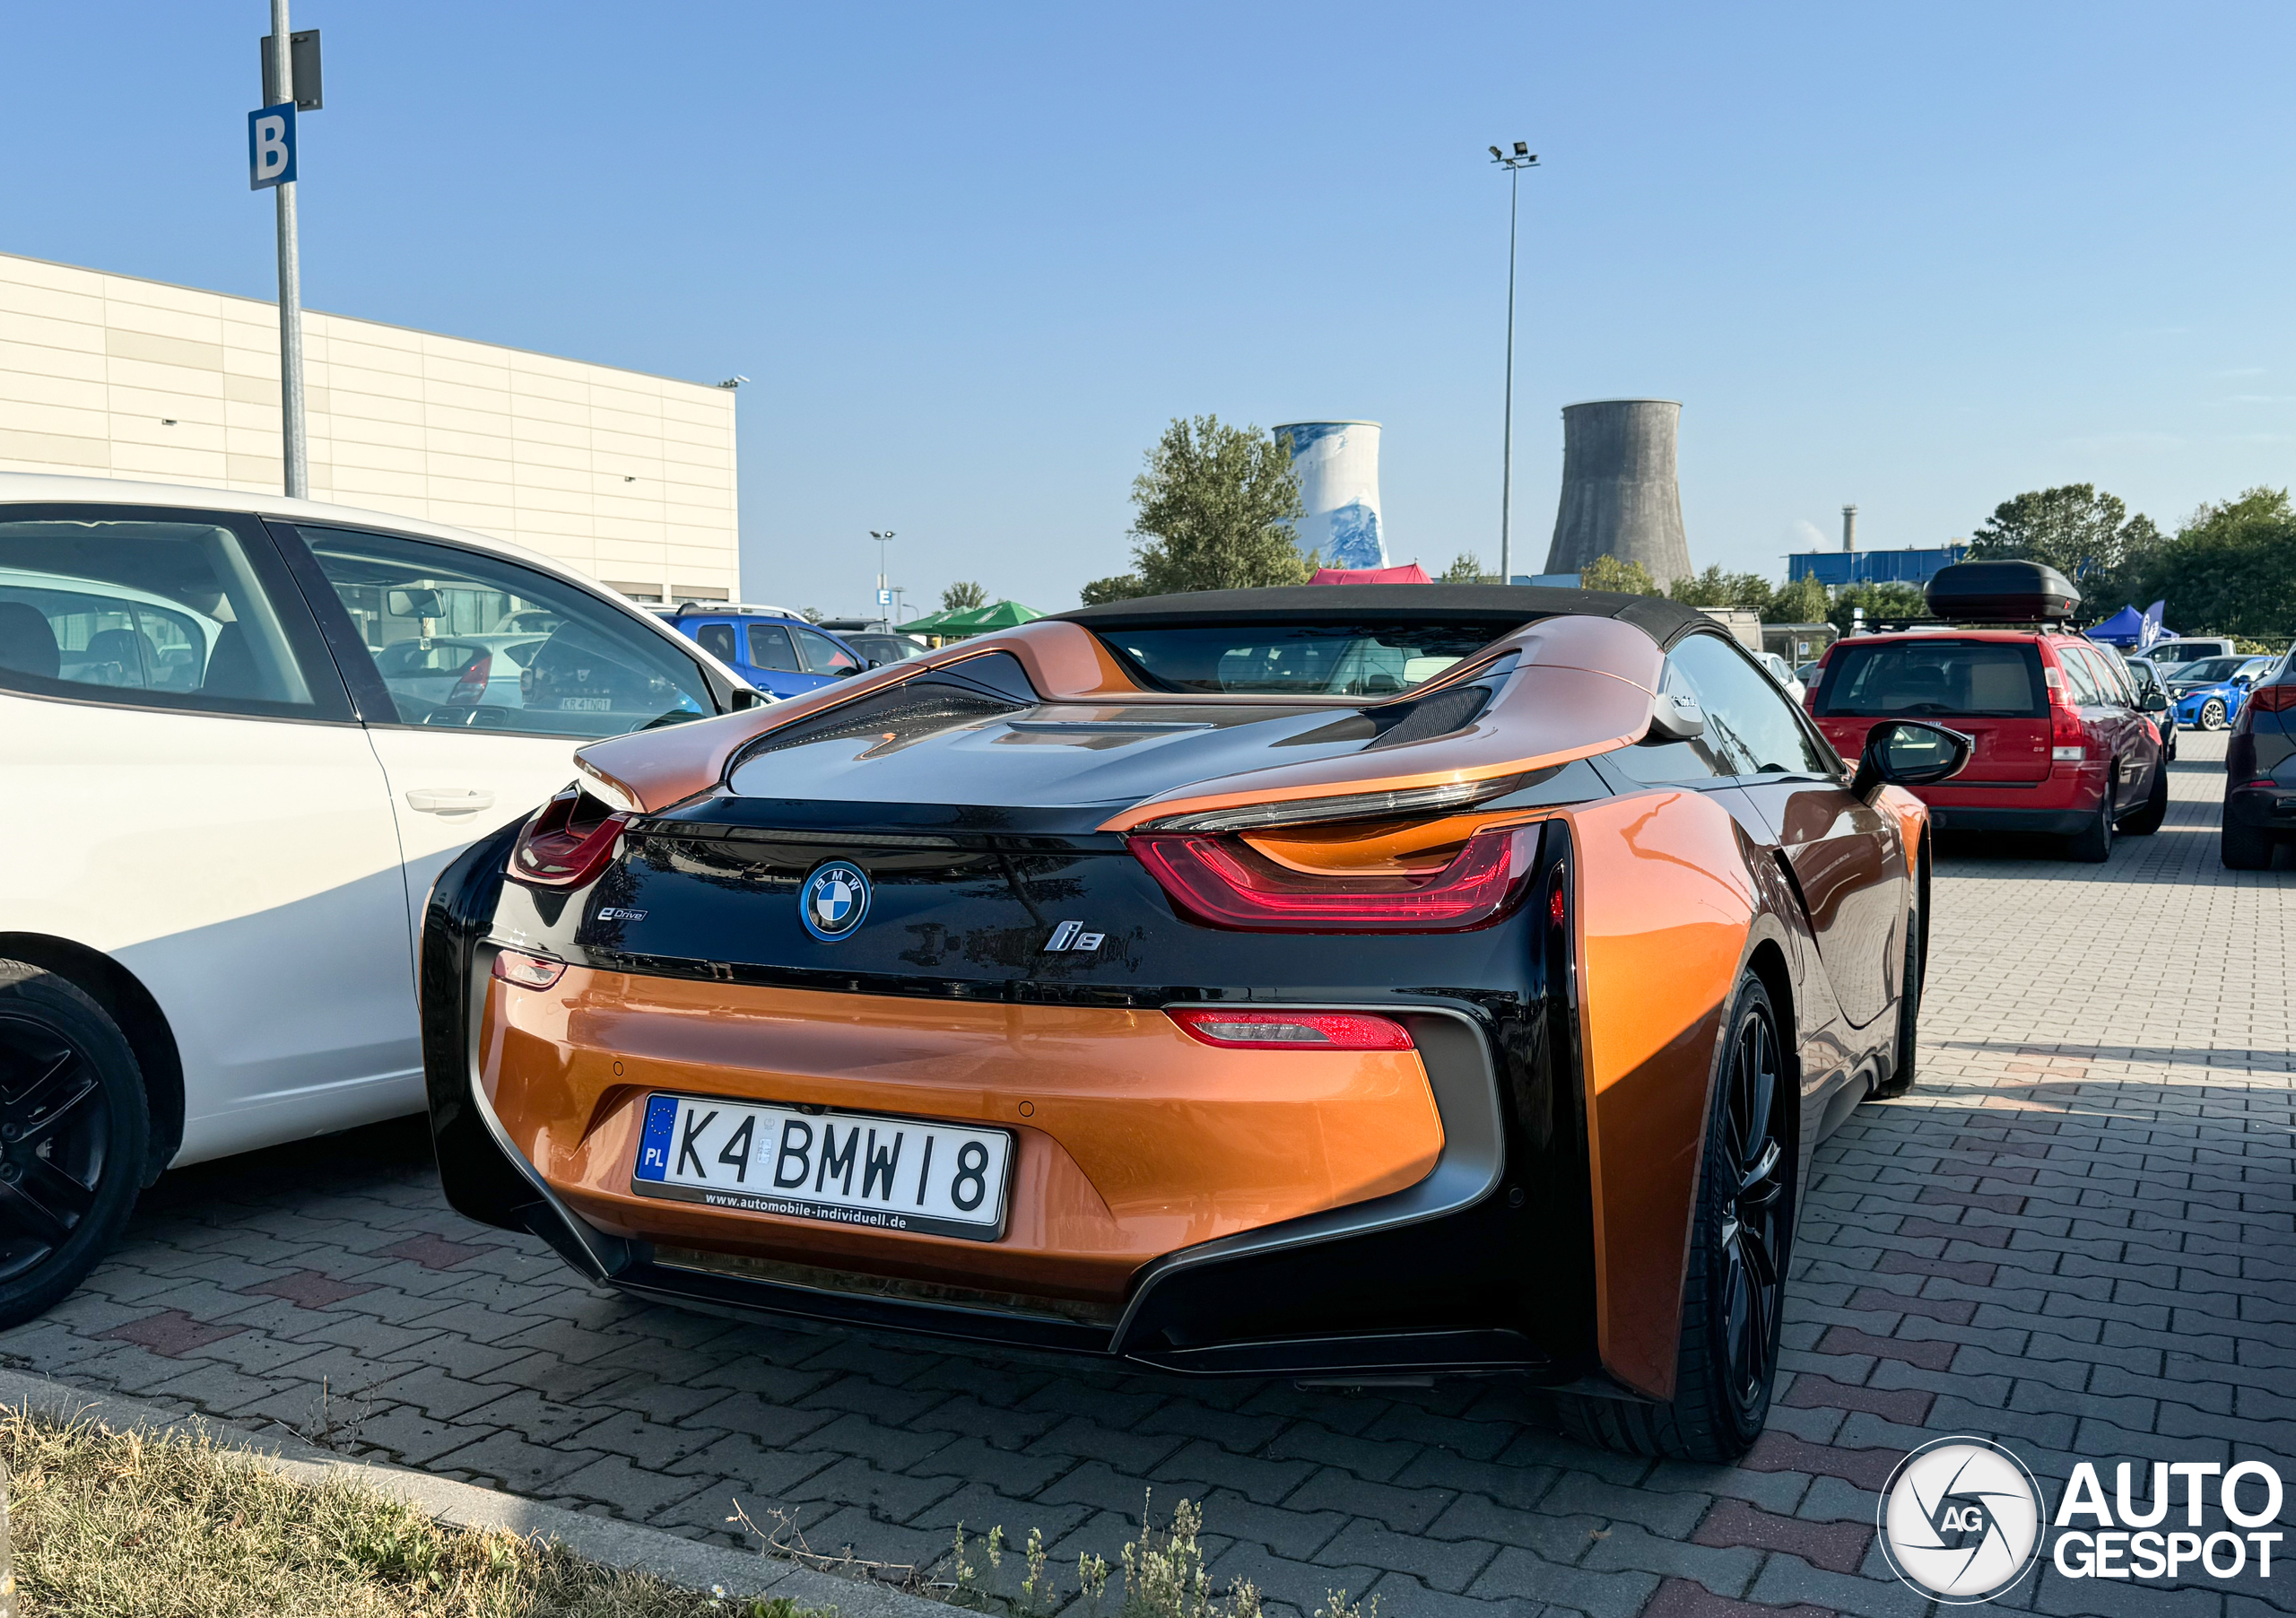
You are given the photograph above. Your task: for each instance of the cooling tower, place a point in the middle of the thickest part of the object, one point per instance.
(1619, 493)
(1338, 463)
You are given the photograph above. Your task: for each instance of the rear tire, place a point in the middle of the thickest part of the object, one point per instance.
(1902, 1065)
(2095, 844)
(2245, 848)
(2212, 714)
(1735, 1285)
(2147, 820)
(75, 1129)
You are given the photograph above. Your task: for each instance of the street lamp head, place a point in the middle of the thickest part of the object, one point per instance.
(1498, 154)
(1522, 149)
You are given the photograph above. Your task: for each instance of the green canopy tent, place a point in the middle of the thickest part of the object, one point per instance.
(977, 621)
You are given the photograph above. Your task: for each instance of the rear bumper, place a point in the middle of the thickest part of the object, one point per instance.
(2063, 822)
(2262, 808)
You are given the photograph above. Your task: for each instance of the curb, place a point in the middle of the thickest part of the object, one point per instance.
(606, 1540)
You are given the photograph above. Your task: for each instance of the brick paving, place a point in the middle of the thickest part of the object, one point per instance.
(2076, 1236)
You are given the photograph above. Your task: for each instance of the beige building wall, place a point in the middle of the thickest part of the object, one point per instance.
(628, 477)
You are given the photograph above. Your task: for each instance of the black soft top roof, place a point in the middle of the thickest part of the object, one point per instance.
(1501, 605)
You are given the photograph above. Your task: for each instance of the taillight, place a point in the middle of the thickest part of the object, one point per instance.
(2273, 699)
(568, 843)
(1228, 883)
(2068, 743)
(470, 686)
(527, 971)
(1293, 1031)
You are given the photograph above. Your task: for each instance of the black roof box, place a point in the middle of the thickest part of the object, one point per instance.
(2002, 592)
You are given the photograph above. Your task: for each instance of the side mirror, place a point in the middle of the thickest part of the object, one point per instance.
(2155, 703)
(843, 674)
(1906, 752)
(1674, 718)
(876, 663)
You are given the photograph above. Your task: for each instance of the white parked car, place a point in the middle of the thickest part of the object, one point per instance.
(243, 733)
(1783, 673)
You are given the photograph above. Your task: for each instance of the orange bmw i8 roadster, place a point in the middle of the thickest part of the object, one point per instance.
(1344, 983)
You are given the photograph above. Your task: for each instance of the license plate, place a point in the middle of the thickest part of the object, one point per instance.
(588, 705)
(844, 1168)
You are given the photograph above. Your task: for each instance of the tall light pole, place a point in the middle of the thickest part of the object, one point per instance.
(298, 479)
(1514, 162)
(883, 538)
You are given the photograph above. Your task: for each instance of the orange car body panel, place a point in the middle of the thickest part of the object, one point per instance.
(1592, 692)
(1665, 909)
(1137, 1140)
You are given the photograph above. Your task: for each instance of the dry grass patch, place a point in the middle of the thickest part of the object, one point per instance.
(109, 1523)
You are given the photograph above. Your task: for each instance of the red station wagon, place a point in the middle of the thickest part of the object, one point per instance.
(2064, 744)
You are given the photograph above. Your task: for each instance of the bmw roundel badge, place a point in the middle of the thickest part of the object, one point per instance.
(833, 900)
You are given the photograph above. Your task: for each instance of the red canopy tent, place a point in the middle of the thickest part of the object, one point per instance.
(1409, 573)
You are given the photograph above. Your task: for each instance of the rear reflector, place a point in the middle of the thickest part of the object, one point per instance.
(2274, 699)
(1229, 885)
(1293, 1031)
(527, 971)
(567, 843)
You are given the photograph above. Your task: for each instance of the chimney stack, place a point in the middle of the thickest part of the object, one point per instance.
(1849, 528)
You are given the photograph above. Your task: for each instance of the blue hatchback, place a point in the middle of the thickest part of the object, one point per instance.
(784, 655)
(2208, 693)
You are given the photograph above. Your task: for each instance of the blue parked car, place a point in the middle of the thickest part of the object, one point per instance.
(774, 651)
(2208, 693)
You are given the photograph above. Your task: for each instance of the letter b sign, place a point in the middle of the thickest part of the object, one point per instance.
(271, 146)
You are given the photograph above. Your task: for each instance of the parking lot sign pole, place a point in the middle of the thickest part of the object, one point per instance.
(291, 281)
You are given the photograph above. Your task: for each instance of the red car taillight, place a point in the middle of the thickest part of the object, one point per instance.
(527, 971)
(470, 686)
(568, 843)
(1292, 1031)
(2273, 699)
(1224, 882)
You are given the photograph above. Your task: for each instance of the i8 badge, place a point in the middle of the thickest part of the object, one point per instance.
(833, 900)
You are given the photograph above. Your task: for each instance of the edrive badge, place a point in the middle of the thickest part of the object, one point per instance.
(833, 900)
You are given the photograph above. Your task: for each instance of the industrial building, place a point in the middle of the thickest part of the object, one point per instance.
(1849, 565)
(625, 475)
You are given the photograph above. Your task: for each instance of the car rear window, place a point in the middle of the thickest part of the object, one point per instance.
(1296, 659)
(1999, 678)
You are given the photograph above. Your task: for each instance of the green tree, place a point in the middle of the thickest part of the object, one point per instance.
(1120, 587)
(1212, 511)
(1802, 600)
(2084, 534)
(1466, 568)
(1609, 573)
(1883, 602)
(963, 596)
(1716, 588)
(2229, 570)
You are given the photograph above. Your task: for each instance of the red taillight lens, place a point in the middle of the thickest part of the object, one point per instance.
(527, 971)
(1224, 882)
(2273, 699)
(1293, 1031)
(470, 685)
(568, 843)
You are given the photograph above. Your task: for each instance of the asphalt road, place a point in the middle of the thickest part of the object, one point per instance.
(2077, 1237)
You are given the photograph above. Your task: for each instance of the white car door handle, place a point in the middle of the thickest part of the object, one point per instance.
(449, 800)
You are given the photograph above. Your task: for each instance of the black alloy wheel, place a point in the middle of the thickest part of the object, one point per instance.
(1753, 1235)
(2212, 714)
(1734, 1288)
(75, 1130)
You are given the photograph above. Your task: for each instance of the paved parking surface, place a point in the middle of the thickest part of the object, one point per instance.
(2077, 1237)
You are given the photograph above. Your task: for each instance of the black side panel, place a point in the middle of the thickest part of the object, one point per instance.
(480, 1182)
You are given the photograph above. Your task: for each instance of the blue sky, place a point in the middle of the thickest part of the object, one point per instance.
(974, 258)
